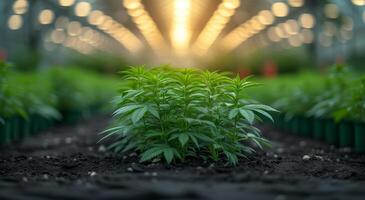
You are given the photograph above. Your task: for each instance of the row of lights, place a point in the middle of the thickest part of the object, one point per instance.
(297, 32)
(145, 24)
(259, 22)
(105, 23)
(181, 30)
(115, 30)
(215, 26)
(65, 29)
(19, 8)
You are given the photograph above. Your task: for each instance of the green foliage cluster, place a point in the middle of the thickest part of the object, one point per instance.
(175, 114)
(49, 93)
(340, 94)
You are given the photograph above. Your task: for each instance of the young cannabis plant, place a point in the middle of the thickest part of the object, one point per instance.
(175, 114)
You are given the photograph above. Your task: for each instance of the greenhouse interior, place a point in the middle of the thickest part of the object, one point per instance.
(182, 99)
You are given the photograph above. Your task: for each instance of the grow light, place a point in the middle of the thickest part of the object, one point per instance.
(66, 2)
(180, 35)
(15, 22)
(46, 16)
(83, 9)
(215, 26)
(146, 25)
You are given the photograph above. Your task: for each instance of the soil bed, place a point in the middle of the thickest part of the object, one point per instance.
(66, 163)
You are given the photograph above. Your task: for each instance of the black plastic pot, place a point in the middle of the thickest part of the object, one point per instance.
(305, 126)
(331, 132)
(5, 132)
(295, 125)
(318, 128)
(359, 138)
(346, 134)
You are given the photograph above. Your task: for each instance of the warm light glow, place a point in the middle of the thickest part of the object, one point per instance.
(295, 41)
(46, 16)
(291, 27)
(280, 9)
(66, 2)
(146, 25)
(82, 9)
(15, 22)
(307, 20)
(61, 22)
(20, 6)
(215, 26)
(306, 36)
(96, 17)
(266, 17)
(180, 35)
(271, 33)
(358, 2)
(296, 3)
(58, 36)
(74, 28)
(331, 11)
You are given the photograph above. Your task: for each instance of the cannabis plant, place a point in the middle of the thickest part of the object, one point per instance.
(175, 114)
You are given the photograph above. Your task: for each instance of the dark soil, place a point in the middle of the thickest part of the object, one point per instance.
(66, 163)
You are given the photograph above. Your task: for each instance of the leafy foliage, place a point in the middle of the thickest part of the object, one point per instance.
(175, 114)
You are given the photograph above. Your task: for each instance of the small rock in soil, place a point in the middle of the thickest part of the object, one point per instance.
(306, 157)
(102, 148)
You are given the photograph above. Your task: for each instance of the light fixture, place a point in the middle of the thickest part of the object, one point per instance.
(46, 16)
(15, 22)
(82, 9)
(280, 9)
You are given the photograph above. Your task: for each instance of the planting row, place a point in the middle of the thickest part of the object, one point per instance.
(328, 107)
(30, 102)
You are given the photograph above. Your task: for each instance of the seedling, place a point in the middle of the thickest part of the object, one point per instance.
(176, 114)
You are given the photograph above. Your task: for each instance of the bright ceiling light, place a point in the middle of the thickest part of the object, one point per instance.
(66, 3)
(296, 3)
(331, 11)
(280, 9)
(358, 2)
(46, 16)
(266, 17)
(180, 35)
(15, 22)
(82, 9)
(20, 6)
(307, 20)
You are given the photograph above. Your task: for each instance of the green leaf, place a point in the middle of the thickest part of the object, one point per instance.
(233, 113)
(168, 154)
(126, 109)
(154, 112)
(266, 114)
(151, 153)
(183, 138)
(248, 115)
(261, 107)
(138, 114)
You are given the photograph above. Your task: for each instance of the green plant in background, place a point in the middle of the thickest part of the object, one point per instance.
(333, 102)
(175, 114)
(10, 103)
